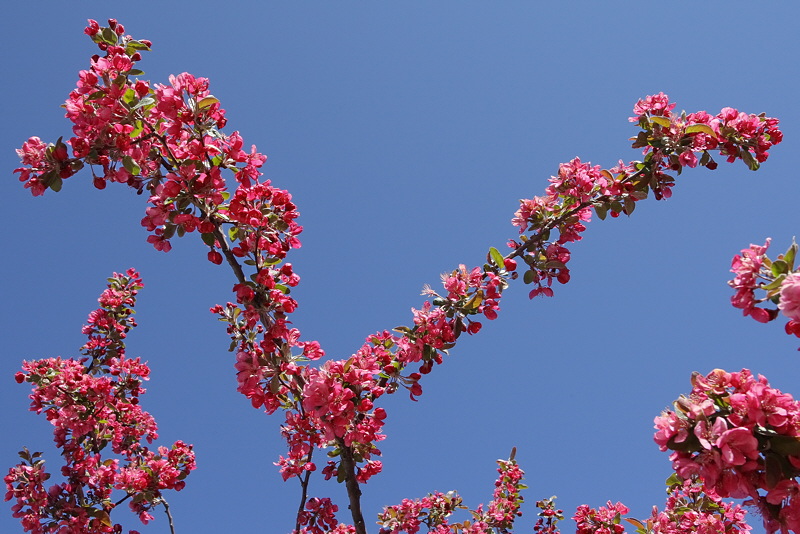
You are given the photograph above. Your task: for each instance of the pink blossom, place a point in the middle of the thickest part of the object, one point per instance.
(654, 105)
(737, 445)
(790, 296)
(747, 268)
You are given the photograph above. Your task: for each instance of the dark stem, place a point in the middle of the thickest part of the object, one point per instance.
(353, 491)
(304, 496)
(169, 515)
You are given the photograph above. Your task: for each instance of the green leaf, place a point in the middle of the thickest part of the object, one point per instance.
(602, 210)
(136, 45)
(146, 101)
(749, 160)
(772, 469)
(130, 165)
(779, 267)
(700, 128)
(207, 102)
(496, 257)
(129, 96)
(528, 277)
(135, 72)
(775, 284)
(282, 288)
(55, 184)
(208, 239)
(137, 129)
(661, 121)
(629, 206)
(475, 301)
(108, 36)
(785, 445)
(790, 256)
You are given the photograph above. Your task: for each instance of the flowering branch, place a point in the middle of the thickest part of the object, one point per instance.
(93, 403)
(167, 140)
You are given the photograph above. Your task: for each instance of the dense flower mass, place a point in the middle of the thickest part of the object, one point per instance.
(740, 437)
(167, 140)
(778, 280)
(93, 405)
(750, 269)
(433, 512)
(689, 509)
(603, 520)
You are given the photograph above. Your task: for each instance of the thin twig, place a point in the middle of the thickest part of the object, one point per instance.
(304, 496)
(169, 515)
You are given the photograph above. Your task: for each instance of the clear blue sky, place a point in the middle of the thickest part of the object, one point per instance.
(406, 132)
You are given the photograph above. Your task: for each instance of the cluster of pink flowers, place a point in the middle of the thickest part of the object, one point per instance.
(689, 508)
(506, 501)
(670, 142)
(410, 515)
(93, 403)
(167, 140)
(548, 517)
(603, 520)
(319, 517)
(776, 278)
(750, 270)
(434, 510)
(739, 436)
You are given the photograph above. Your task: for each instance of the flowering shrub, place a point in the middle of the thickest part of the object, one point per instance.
(93, 403)
(167, 140)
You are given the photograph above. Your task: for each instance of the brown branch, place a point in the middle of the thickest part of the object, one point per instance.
(353, 490)
(304, 496)
(169, 515)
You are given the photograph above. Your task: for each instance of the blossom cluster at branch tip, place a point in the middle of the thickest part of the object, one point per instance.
(688, 509)
(434, 510)
(167, 140)
(549, 517)
(669, 142)
(739, 437)
(99, 424)
(777, 279)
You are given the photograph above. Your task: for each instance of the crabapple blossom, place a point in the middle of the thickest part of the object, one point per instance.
(755, 271)
(92, 403)
(434, 510)
(739, 437)
(167, 140)
(790, 296)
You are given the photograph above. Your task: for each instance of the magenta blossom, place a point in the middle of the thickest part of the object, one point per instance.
(790, 296)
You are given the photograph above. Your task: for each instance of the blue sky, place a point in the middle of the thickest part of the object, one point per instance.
(406, 133)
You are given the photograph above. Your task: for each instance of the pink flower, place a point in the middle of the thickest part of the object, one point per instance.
(737, 445)
(747, 268)
(790, 296)
(688, 159)
(654, 105)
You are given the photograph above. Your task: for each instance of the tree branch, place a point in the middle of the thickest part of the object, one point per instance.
(353, 490)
